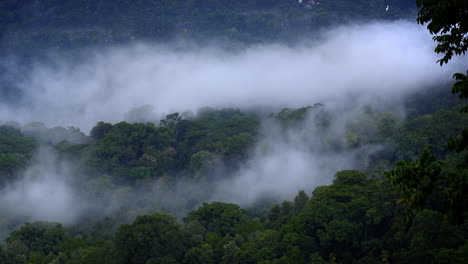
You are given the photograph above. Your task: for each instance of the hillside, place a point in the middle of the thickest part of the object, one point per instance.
(234, 132)
(27, 25)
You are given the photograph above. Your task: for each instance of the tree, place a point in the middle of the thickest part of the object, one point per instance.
(41, 237)
(201, 254)
(425, 178)
(150, 237)
(16, 150)
(100, 130)
(343, 218)
(448, 22)
(131, 151)
(171, 121)
(221, 218)
(416, 180)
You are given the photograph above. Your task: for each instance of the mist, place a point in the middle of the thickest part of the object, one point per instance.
(282, 162)
(378, 63)
(43, 192)
(373, 64)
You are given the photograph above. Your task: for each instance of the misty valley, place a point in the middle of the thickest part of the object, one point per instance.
(285, 168)
(248, 131)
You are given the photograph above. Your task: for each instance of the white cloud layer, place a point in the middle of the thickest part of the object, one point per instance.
(358, 62)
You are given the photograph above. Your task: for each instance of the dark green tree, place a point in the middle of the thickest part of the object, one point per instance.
(16, 150)
(42, 237)
(221, 218)
(153, 237)
(171, 121)
(448, 21)
(417, 181)
(100, 130)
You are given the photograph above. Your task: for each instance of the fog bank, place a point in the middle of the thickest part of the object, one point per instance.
(379, 62)
(43, 192)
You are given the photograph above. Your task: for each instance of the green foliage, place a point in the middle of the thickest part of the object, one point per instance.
(54, 135)
(41, 237)
(140, 152)
(102, 253)
(449, 19)
(132, 151)
(172, 121)
(201, 254)
(370, 127)
(202, 162)
(461, 88)
(354, 220)
(100, 130)
(302, 116)
(420, 181)
(221, 218)
(156, 237)
(66, 24)
(429, 183)
(16, 253)
(426, 180)
(227, 134)
(416, 180)
(343, 217)
(430, 131)
(300, 201)
(263, 247)
(15, 152)
(288, 116)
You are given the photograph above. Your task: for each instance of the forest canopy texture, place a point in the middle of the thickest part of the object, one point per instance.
(388, 181)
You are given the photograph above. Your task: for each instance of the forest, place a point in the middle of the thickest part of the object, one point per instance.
(334, 181)
(65, 24)
(358, 218)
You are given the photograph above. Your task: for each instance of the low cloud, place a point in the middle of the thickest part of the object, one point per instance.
(373, 64)
(42, 193)
(377, 62)
(298, 158)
